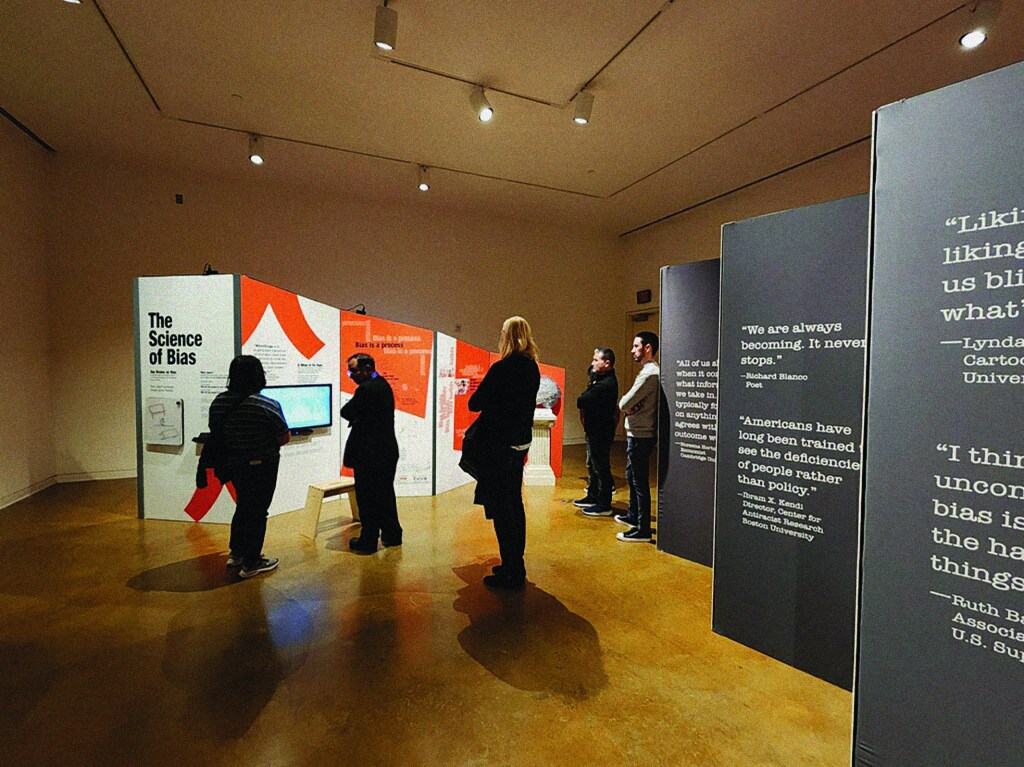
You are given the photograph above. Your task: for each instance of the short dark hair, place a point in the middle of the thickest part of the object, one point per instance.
(245, 375)
(364, 361)
(647, 338)
(607, 355)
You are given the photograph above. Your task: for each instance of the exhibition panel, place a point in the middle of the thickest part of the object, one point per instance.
(460, 369)
(793, 293)
(185, 340)
(297, 340)
(940, 677)
(190, 328)
(404, 355)
(689, 370)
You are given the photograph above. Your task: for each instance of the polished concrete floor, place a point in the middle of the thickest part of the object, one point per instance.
(125, 642)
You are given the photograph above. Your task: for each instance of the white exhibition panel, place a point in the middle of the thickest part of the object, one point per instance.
(448, 474)
(313, 458)
(415, 475)
(200, 310)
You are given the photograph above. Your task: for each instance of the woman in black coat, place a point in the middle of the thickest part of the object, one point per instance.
(506, 400)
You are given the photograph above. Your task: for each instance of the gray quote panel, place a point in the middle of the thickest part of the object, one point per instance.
(941, 640)
(689, 378)
(791, 385)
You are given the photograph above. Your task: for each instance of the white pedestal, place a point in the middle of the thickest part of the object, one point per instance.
(538, 468)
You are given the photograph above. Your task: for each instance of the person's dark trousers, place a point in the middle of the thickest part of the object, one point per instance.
(638, 476)
(592, 481)
(375, 497)
(254, 483)
(599, 464)
(505, 507)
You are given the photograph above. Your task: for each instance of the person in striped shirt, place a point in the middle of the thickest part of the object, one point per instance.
(254, 430)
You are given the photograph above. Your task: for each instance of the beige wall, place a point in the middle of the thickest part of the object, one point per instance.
(411, 263)
(697, 235)
(26, 450)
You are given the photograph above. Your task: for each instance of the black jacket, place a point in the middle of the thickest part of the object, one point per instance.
(371, 415)
(506, 400)
(599, 405)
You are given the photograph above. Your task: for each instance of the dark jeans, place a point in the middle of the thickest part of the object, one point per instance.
(599, 466)
(254, 483)
(638, 475)
(504, 505)
(375, 496)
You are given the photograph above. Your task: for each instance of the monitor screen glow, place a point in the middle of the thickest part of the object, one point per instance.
(305, 406)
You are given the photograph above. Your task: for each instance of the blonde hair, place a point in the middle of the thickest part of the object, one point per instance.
(517, 337)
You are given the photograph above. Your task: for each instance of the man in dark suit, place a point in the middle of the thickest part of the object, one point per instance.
(372, 453)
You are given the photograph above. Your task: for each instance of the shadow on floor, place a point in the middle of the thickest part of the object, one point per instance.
(339, 541)
(529, 639)
(203, 573)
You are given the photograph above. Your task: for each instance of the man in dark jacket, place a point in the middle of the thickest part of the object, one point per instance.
(599, 411)
(371, 451)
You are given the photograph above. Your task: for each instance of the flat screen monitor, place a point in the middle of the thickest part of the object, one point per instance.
(305, 406)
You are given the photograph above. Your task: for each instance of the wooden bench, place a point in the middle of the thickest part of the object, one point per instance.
(315, 501)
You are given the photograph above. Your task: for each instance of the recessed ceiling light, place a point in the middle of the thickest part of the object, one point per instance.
(973, 39)
(983, 15)
(423, 178)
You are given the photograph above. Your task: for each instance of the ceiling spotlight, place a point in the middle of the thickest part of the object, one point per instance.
(983, 16)
(385, 27)
(423, 178)
(584, 103)
(973, 39)
(255, 149)
(481, 105)
(73, 2)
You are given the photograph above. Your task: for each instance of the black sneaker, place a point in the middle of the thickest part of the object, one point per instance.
(234, 560)
(635, 536)
(504, 581)
(585, 502)
(598, 511)
(624, 519)
(265, 565)
(360, 546)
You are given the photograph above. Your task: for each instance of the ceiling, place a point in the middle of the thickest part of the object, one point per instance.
(692, 99)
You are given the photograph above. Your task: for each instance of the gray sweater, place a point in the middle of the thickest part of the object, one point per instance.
(644, 395)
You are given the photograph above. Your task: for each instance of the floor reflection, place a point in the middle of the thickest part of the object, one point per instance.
(229, 663)
(27, 672)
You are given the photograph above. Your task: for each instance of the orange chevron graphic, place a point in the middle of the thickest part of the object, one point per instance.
(202, 500)
(257, 296)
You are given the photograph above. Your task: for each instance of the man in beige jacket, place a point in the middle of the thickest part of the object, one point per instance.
(640, 404)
